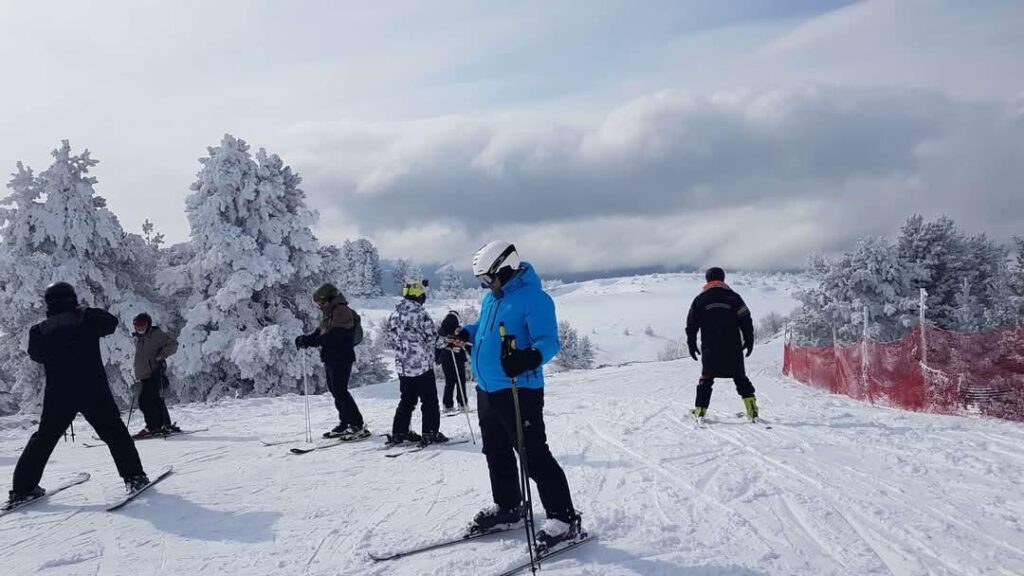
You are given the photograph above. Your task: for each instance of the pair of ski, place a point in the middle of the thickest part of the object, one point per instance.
(410, 448)
(560, 548)
(702, 422)
(150, 437)
(334, 441)
(81, 478)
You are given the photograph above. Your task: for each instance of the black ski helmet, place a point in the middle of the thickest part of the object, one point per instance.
(142, 320)
(60, 294)
(715, 274)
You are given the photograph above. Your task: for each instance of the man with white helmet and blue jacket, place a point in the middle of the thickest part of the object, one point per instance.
(516, 308)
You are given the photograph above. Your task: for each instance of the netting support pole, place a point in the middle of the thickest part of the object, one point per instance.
(922, 322)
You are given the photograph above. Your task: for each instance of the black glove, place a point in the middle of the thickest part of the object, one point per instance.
(514, 362)
(694, 352)
(302, 341)
(437, 355)
(750, 348)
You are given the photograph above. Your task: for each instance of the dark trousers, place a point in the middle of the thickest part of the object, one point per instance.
(413, 388)
(498, 430)
(59, 410)
(743, 387)
(453, 364)
(151, 403)
(338, 374)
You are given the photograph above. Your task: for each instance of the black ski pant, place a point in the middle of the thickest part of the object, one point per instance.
(151, 403)
(498, 430)
(338, 374)
(59, 409)
(453, 364)
(743, 387)
(424, 389)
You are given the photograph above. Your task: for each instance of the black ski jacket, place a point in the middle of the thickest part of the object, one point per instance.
(68, 346)
(721, 318)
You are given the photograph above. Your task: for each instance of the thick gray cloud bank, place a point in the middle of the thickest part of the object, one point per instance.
(595, 136)
(751, 179)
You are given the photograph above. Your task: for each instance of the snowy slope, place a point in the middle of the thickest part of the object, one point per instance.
(835, 487)
(616, 312)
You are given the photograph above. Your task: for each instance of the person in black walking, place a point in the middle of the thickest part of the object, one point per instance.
(726, 329)
(67, 344)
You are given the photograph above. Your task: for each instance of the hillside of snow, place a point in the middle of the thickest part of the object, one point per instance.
(833, 487)
(630, 319)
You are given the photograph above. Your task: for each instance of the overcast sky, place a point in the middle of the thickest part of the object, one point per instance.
(594, 134)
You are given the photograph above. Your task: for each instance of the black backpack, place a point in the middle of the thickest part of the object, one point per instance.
(357, 329)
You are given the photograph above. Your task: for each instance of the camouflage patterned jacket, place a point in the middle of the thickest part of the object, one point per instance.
(413, 336)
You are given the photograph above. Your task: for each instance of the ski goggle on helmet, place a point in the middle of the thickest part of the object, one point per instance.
(492, 259)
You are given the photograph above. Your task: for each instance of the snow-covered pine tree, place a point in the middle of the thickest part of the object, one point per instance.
(55, 228)
(363, 275)
(576, 351)
(399, 274)
(938, 257)
(254, 264)
(451, 283)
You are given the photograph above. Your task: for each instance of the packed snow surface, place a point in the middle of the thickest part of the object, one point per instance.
(834, 487)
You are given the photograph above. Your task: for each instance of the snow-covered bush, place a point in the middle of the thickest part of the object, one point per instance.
(673, 350)
(576, 352)
(769, 326)
(370, 367)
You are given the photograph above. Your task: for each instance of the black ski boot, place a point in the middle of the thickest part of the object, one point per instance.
(433, 438)
(13, 498)
(396, 439)
(557, 529)
(353, 432)
(495, 517)
(336, 432)
(136, 482)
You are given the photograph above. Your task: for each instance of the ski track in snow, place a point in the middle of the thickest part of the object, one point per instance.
(833, 487)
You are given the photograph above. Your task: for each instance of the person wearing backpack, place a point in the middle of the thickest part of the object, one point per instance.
(339, 332)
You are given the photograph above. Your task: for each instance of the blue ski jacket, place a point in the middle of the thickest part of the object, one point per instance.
(528, 313)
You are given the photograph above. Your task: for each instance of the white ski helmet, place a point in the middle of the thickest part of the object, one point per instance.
(492, 259)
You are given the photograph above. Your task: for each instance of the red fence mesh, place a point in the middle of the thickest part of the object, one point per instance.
(977, 373)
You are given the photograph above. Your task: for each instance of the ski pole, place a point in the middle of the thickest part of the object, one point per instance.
(461, 393)
(305, 394)
(509, 344)
(131, 407)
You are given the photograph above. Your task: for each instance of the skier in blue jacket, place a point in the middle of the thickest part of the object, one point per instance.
(517, 305)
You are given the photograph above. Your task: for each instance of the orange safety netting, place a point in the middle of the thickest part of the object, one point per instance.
(975, 373)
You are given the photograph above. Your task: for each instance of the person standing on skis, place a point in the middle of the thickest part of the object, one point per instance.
(67, 344)
(452, 359)
(516, 307)
(336, 339)
(412, 335)
(152, 348)
(726, 329)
